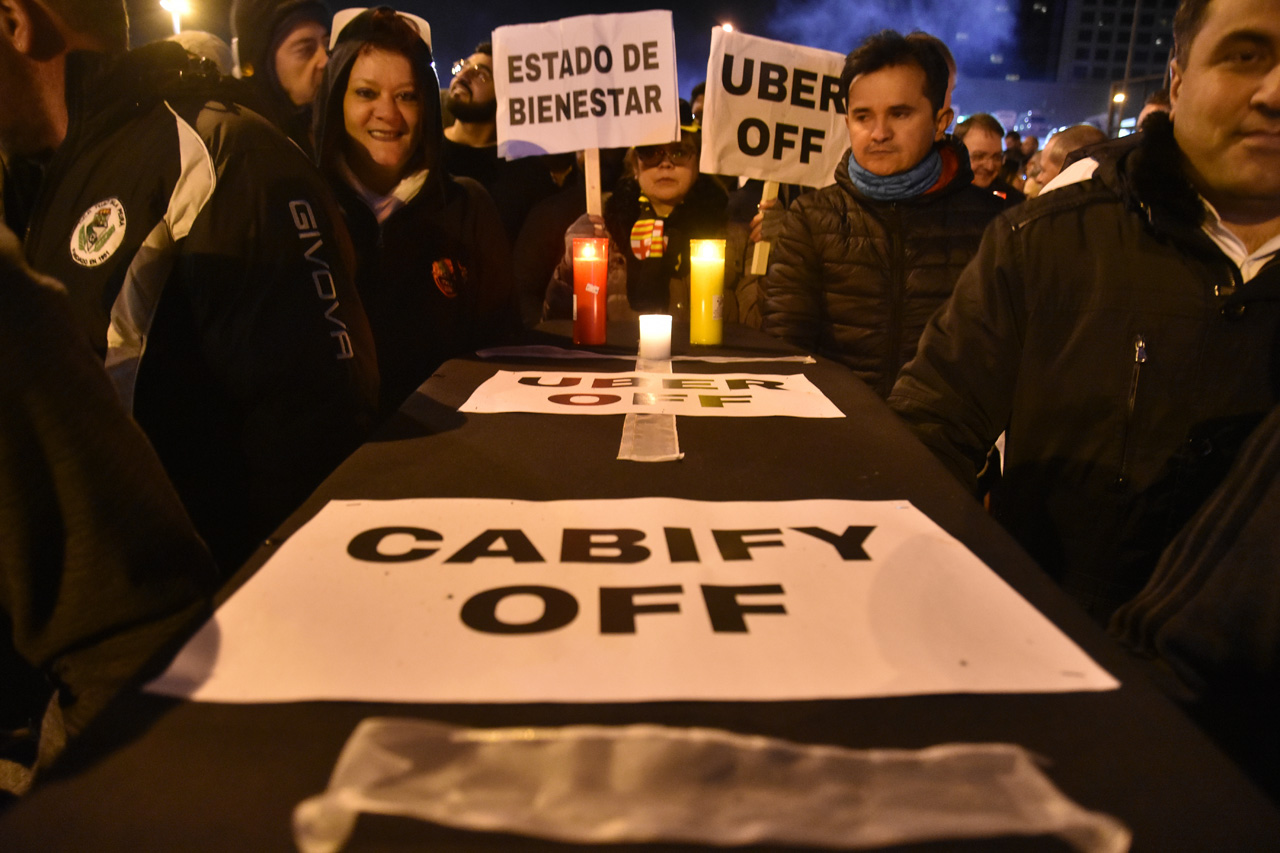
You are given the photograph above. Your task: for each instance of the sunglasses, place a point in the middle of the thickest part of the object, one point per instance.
(484, 72)
(678, 153)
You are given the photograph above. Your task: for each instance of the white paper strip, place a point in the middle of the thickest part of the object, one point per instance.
(649, 437)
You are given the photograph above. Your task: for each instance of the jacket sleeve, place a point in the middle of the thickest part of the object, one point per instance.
(100, 568)
(497, 317)
(957, 393)
(267, 270)
(791, 290)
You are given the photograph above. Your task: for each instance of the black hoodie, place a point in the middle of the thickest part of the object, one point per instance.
(257, 29)
(435, 276)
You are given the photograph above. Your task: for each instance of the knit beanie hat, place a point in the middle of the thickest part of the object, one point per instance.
(258, 27)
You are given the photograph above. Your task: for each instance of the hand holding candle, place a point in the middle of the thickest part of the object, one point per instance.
(590, 279)
(706, 286)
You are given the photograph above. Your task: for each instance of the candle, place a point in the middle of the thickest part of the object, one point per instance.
(706, 285)
(655, 336)
(590, 280)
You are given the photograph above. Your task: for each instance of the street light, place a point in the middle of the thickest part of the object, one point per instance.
(727, 27)
(1118, 97)
(177, 8)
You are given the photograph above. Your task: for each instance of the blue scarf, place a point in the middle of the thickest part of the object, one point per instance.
(909, 184)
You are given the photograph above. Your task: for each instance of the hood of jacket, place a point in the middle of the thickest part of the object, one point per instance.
(104, 91)
(328, 123)
(253, 30)
(1145, 170)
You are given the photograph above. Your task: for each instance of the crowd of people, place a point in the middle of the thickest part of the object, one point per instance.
(214, 286)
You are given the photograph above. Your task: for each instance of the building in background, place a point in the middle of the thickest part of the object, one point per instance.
(1096, 35)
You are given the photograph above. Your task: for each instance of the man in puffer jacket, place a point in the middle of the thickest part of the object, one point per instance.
(862, 264)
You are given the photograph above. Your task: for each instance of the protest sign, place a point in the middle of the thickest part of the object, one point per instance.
(489, 600)
(774, 111)
(592, 81)
(728, 395)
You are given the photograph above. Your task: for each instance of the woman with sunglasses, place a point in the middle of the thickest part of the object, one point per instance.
(433, 265)
(658, 205)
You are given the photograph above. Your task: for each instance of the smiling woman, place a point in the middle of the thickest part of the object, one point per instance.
(381, 112)
(433, 263)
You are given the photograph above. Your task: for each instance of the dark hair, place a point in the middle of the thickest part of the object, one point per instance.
(107, 21)
(382, 28)
(937, 44)
(1187, 22)
(979, 121)
(1013, 133)
(485, 47)
(889, 48)
(1158, 98)
(698, 89)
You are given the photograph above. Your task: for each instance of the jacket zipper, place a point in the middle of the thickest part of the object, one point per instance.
(1139, 359)
(897, 284)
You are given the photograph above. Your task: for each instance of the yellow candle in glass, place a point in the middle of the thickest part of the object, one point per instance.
(706, 286)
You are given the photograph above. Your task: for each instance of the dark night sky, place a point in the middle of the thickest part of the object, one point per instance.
(457, 26)
(832, 24)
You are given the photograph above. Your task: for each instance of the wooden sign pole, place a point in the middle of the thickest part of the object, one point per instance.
(760, 261)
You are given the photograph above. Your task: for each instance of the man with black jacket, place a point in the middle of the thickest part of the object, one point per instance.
(862, 264)
(100, 568)
(281, 48)
(205, 260)
(1122, 330)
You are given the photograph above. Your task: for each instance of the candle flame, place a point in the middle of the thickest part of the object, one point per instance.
(708, 250)
(588, 251)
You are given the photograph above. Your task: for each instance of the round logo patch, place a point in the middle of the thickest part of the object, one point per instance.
(449, 276)
(99, 233)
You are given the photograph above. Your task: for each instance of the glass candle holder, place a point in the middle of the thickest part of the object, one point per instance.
(655, 336)
(706, 290)
(590, 282)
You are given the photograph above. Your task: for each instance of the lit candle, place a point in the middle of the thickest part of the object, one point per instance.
(655, 336)
(590, 279)
(177, 8)
(706, 286)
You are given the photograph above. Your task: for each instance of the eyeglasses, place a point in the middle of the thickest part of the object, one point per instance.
(678, 153)
(986, 158)
(484, 72)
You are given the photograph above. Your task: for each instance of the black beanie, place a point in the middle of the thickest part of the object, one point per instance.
(255, 25)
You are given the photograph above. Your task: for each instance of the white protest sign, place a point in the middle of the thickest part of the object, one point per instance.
(475, 600)
(724, 395)
(774, 111)
(592, 81)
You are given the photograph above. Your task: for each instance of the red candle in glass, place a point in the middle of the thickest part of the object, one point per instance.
(590, 278)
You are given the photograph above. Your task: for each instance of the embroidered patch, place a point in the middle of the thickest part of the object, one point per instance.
(99, 233)
(647, 239)
(449, 275)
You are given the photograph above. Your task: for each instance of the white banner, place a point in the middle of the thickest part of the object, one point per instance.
(593, 81)
(470, 600)
(774, 111)
(723, 395)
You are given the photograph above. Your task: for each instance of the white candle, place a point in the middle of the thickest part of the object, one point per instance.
(655, 336)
